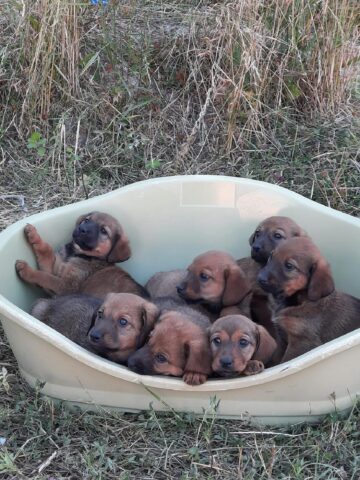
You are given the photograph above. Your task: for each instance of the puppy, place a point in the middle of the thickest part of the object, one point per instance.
(85, 265)
(177, 346)
(114, 328)
(270, 233)
(239, 346)
(164, 285)
(216, 281)
(305, 305)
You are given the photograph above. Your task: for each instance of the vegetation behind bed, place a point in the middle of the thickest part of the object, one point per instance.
(95, 97)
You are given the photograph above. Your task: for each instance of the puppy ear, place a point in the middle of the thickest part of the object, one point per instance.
(252, 238)
(321, 282)
(197, 356)
(149, 315)
(236, 285)
(266, 345)
(120, 250)
(93, 319)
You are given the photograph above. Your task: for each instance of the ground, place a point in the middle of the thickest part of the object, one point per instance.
(95, 98)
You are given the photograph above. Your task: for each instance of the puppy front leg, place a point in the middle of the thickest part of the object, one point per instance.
(296, 348)
(44, 254)
(45, 280)
(253, 367)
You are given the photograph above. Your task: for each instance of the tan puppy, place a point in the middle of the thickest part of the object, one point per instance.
(114, 328)
(270, 233)
(215, 280)
(305, 305)
(87, 264)
(177, 346)
(239, 346)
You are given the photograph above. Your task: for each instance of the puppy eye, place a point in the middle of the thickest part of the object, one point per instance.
(103, 230)
(257, 233)
(278, 236)
(100, 313)
(216, 341)
(86, 220)
(123, 322)
(289, 266)
(243, 342)
(204, 277)
(160, 358)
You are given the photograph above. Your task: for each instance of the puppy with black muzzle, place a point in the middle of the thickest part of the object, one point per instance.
(114, 328)
(86, 264)
(270, 233)
(239, 346)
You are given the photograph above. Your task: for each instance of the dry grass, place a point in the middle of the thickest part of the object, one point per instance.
(94, 98)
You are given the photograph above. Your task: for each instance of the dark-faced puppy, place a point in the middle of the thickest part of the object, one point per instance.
(215, 280)
(305, 305)
(86, 264)
(177, 346)
(239, 346)
(270, 233)
(114, 328)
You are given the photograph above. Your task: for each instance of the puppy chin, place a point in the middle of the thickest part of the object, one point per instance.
(80, 250)
(226, 373)
(259, 257)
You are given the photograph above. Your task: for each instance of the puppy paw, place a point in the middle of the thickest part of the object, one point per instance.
(194, 378)
(31, 234)
(22, 269)
(253, 367)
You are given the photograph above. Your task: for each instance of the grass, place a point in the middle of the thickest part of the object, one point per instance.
(94, 98)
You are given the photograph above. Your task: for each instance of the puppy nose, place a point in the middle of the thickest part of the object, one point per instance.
(226, 362)
(256, 248)
(95, 335)
(83, 229)
(262, 279)
(180, 288)
(135, 365)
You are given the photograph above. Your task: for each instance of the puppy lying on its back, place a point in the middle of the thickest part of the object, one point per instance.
(113, 328)
(305, 305)
(87, 264)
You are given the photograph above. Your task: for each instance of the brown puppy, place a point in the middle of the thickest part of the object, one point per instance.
(164, 285)
(305, 304)
(177, 346)
(114, 328)
(239, 346)
(215, 280)
(270, 233)
(87, 264)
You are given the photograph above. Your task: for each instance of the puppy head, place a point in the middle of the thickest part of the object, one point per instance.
(176, 347)
(121, 325)
(100, 235)
(234, 341)
(214, 279)
(297, 265)
(269, 234)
